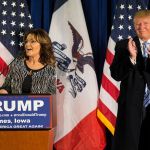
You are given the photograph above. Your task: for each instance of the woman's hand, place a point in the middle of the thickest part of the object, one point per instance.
(132, 49)
(2, 91)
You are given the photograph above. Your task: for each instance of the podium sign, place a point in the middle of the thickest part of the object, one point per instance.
(25, 112)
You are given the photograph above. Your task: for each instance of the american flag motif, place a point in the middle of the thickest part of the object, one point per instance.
(14, 21)
(122, 28)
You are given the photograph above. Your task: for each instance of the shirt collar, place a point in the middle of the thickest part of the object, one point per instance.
(144, 41)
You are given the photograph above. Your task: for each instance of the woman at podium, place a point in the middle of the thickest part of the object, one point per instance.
(34, 71)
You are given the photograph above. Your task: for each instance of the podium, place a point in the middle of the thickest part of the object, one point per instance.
(26, 122)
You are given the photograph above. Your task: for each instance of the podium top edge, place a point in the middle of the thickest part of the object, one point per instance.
(27, 94)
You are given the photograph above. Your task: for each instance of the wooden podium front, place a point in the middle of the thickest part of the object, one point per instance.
(25, 139)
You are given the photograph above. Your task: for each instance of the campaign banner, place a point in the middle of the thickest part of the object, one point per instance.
(25, 112)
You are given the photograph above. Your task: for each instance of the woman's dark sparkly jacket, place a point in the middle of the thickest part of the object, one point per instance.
(43, 81)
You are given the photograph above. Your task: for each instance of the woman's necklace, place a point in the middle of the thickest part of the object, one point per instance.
(29, 73)
(36, 67)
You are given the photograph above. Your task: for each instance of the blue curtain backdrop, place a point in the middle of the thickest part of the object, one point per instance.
(98, 15)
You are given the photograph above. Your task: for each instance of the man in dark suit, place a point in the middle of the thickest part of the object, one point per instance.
(132, 67)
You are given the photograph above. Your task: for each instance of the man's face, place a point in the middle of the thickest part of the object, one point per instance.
(142, 27)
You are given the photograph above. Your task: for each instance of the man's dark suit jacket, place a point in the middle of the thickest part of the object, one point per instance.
(130, 102)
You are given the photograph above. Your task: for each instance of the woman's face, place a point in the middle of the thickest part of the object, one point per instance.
(32, 46)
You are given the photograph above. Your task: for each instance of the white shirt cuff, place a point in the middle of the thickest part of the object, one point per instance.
(133, 61)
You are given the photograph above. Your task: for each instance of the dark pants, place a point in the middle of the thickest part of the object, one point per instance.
(144, 143)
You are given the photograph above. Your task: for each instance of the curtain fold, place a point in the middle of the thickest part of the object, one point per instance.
(41, 13)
